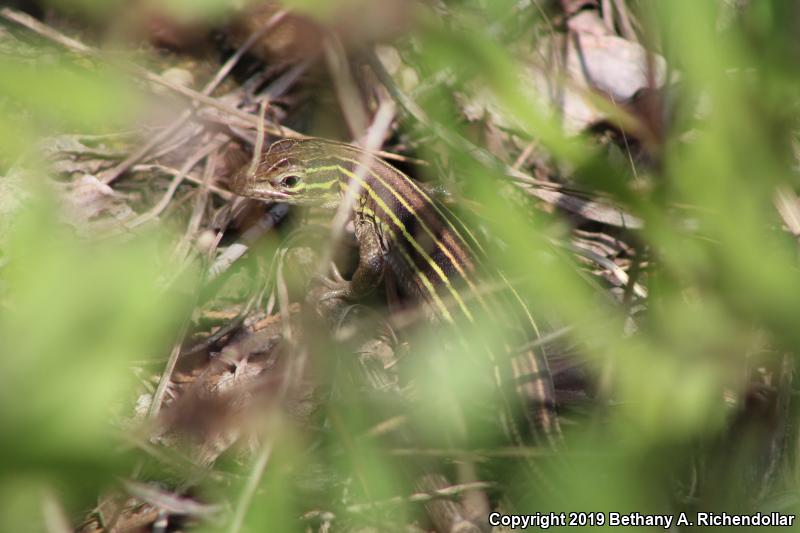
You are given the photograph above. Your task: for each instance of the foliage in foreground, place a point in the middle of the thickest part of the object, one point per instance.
(693, 407)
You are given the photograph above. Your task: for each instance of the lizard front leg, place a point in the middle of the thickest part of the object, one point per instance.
(371, 264)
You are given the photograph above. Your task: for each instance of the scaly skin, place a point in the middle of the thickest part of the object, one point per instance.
(435, 260)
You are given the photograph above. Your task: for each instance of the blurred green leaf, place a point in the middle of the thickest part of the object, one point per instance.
(66, 94)
(76, 315)
(53, 94)
(667, 427)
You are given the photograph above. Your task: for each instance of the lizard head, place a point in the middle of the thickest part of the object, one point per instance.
(291, 171)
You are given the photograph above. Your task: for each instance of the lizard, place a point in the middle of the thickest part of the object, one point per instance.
(435, 259)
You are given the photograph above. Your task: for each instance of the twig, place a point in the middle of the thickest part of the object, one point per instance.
(259, 146)
(372, 140)
(254, 37)
(345, 86)
(627, 143)
(149, 167)
(447, 515)
(55, 519)
(162, 204)
(282, 84)
(523, 157)
(283, 299)
(233, 252)
(213, 102)
(112, 174)
(586, 208)
(169, 501)
(633, 278)
(544, 340)
(608, 15)
(166, 375)
(175, 458)
(199, 208)
(609, 265)
(249, 490)
(545, 17)
(294, 372)
(31, 23)
(448, 492)
(76, 46)
(625, 22)
(119, 509)
(186, 135)
(788, 206)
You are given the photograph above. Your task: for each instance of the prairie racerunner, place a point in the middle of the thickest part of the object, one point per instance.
(435, 260)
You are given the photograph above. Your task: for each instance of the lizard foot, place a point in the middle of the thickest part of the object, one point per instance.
(336, 289)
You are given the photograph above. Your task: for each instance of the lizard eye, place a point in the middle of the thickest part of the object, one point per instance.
(290, 181)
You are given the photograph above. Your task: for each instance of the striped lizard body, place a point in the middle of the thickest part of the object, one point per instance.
(398, 226)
